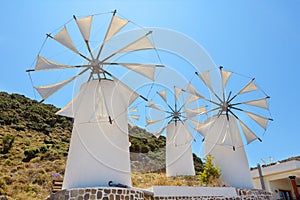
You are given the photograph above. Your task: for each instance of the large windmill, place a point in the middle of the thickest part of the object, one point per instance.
(99, 148)
(179, 156)
(231, 109)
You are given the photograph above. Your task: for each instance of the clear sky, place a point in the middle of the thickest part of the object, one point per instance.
(257, 38)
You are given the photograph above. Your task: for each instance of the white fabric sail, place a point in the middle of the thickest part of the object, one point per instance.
(101, 148)
(47, 91)
(203, 128)
(262, 121)
(177, 92)
(152, 105)
(115, 26)
(151, 121)
(249, 135)
(64, 38)
(142, 43)
(192, 90)
(158, 133)
(196, 123)
(147, 70)
(125, 91)
(135, 109)
(225, 77)
(190, 113)
(70, 109)
(262, 103)
(163, 94)
(191, 99)
(45, 64)
(235, 171)
(205, 77)
(248, 88)
(84, 25)
(179, 156)
(136, 117)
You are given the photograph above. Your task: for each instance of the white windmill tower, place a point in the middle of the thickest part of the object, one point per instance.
(99, 147)
(179, 155)
(231, 111)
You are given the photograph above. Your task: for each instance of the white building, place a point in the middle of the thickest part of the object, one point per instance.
(281, 178)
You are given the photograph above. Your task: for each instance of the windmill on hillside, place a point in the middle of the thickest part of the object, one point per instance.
(179, 155)
(232, 109)
(99, 148)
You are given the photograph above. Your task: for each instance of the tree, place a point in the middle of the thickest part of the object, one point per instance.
(210, 174)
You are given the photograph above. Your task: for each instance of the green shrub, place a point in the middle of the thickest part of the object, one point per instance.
(18, 127)
(30, 153)
(7, 143)
(3, 186)
(210, 174)
(43, 148)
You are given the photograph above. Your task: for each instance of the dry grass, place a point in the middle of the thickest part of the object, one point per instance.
(150, 179)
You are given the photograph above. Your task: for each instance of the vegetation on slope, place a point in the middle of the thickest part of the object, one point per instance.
(34, 146)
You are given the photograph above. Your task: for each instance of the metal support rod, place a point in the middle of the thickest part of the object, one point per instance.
(261, 177)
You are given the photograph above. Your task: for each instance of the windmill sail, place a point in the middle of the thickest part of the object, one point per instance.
(151, 121)
(126, 91)
(147, 70)
(142, 43)
(249, 135)
(190, 113)
(84, 25)
(64, 38)
(136, 117)
(177, 92)
(47, 91)
(192, 98)
(205, 77)
(262, 103)
(262, 121)
(248, 88)
(162, 94)
(225, 77)
(192, 90)
(71, 108)
(152, 105)
(45, 64)
(115, 26)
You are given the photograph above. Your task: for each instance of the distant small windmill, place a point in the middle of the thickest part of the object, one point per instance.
(179, 156)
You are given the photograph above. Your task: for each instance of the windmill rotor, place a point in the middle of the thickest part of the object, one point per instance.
(95, 64)
(247, 103)
(175, 112)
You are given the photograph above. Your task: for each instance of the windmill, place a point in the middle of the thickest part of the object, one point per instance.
(99, 147)
(179, 156)
(233, 110)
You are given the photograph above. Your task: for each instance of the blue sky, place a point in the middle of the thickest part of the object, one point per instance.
(260, 39)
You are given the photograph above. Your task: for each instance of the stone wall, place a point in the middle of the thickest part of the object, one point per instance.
(111, 193)
(254, 194)
(104, 193)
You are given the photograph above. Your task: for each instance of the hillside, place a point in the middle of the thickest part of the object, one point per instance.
(34, 146)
